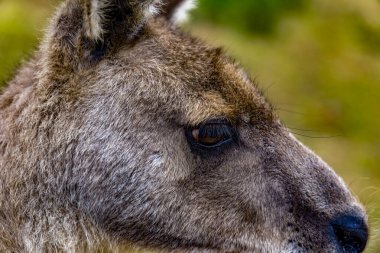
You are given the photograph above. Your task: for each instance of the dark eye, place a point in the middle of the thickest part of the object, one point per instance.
(211, 134)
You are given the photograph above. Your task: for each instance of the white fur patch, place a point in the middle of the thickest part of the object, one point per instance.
(182, 11)
(97, 18)
(156, 160)
(152, 9)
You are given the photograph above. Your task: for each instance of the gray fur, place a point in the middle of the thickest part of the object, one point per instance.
(93, 154)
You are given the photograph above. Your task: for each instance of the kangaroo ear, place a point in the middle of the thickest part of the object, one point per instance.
(177, 10)
(104, 16)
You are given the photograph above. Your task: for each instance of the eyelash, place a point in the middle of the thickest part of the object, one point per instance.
(214, 130)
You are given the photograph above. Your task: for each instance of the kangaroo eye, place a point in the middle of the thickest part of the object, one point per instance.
(211, 134)
(207, 140)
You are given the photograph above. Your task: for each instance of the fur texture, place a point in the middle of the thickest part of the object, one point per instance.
(94, 155)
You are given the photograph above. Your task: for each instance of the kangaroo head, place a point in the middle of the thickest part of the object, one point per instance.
(156, 139)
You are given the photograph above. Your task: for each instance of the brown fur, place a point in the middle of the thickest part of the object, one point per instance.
(93, 154)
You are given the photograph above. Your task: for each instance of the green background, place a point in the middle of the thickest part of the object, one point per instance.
(317, 60)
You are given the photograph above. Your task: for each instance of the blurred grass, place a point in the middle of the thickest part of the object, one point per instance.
(21, 24)
(259, 16)
(317, 60)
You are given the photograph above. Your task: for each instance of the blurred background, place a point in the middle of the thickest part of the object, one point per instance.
(317, 60)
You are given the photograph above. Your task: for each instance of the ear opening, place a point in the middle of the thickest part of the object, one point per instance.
(92, 27)
(102, 17)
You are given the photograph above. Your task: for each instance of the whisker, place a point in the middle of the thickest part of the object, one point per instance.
(290, 111)
(302, 130)
(315, 137)
(267, 88)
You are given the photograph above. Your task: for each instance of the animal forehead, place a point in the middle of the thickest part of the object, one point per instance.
(229, 93)
(200, 81)
(222, 86)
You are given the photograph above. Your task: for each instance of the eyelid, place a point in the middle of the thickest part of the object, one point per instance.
(227, 131)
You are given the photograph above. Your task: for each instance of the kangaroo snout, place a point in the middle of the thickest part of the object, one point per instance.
(315, 210)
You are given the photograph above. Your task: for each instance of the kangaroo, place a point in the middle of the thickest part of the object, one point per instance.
(123, 132)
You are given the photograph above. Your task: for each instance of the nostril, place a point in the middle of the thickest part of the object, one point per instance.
(351, 233)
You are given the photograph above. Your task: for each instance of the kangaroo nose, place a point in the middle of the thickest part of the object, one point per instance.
(351, 233)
